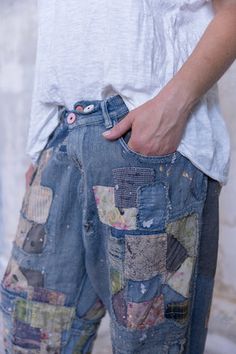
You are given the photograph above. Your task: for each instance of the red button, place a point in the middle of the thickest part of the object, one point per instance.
(79, 108)
(71, 118)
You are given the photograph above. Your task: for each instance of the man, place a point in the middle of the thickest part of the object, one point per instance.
(130, 152)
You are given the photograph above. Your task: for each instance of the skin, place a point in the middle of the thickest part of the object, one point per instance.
(168, 112)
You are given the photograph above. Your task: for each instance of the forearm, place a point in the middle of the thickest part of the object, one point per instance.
(212, 56)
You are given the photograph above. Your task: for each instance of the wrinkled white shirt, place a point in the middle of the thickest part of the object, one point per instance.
(94, 49)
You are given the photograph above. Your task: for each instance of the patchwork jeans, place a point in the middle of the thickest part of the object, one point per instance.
(102, 227)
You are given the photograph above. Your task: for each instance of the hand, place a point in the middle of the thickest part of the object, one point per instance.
(156, 126)
(28, 174)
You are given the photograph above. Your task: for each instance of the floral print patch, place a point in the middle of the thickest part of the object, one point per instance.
(145, 314)
(124, 219)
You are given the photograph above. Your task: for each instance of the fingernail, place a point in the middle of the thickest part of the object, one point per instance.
(107, 132)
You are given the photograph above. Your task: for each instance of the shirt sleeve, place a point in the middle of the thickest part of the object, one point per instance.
(44, 112)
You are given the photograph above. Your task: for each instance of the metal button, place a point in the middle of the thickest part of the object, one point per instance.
(79, 108)
(71, 118)
(89, 108)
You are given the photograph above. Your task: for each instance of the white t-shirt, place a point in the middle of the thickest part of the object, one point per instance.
(94, 49)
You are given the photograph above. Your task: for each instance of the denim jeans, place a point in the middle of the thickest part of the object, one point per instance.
(102, 227)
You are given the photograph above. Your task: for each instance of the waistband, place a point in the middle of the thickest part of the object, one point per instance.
(110, 108)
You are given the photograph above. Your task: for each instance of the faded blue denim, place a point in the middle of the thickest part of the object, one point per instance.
(102, 227)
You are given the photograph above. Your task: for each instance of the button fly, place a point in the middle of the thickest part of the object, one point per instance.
(71, 118)
(89, 108)
(79, 108)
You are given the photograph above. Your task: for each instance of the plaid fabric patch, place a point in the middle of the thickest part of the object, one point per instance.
(177, 311)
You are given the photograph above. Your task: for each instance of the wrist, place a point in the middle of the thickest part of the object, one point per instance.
(177, 95)
(183, 89)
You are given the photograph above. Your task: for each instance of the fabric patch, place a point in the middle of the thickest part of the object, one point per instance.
(145, 314)
(34, 240)
(47, 296)
(152, 206)
(116, 252)
(40, 315)
(180, 280)
(50, 342)
(127, 180)
(13, 278)
(18, 350)
(145, 256)
(34, 277)
(120, 307)
(18, 278)
(96, 312)
(23, 228)
(26, 336)
(177, 311)
(109, 214)
(185, 230)
(176, 254)
(139, 291)
(37, 202)
(117, 282)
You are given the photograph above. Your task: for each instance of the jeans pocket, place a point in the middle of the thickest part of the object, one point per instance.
(123, 141)
(128, 152)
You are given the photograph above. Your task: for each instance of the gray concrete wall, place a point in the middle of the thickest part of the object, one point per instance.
(17, 57)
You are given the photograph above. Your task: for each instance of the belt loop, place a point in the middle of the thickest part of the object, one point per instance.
(107, 118)
(61, 112)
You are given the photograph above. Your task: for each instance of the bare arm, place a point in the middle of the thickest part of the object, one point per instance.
(168, 112)
(213, 55)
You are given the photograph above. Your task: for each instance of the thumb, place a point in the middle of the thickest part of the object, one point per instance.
(119, 129)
